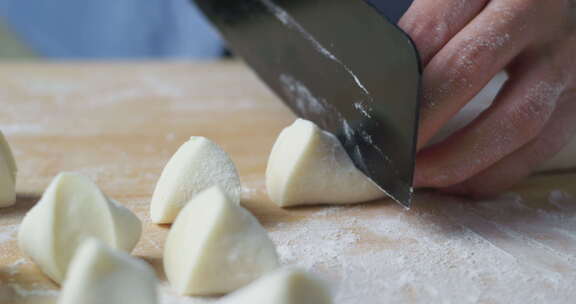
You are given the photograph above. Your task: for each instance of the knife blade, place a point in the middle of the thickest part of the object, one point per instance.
(342, 65)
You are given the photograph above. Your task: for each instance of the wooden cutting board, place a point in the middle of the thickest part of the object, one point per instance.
(119, 123)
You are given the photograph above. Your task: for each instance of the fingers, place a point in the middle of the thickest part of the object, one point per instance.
(469, 60)
(432, 23)
(518, 115)
(557, 133)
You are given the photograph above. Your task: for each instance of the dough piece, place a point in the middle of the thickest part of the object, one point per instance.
(309, 166)
(7, 174)
(101, 275)
(215, 246)
(197, 165)
(285, 286)
(565, 159)
(72, 209)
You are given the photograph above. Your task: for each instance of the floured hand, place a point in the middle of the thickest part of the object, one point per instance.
(463, 44)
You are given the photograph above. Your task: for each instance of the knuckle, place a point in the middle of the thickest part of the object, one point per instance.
(475, 56)
(428, 34)
(529, 117)
(525, 124)
(439, 32)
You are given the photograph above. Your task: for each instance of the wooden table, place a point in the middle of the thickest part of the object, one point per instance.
(119, 123)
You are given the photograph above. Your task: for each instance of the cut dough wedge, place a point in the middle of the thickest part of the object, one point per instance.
(101, 275)
(197, 165)
(309, 166)
(215, 246)
(285, 286)
(71, 210)
(7, 174)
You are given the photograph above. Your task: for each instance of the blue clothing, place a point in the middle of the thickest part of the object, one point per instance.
(112, 28)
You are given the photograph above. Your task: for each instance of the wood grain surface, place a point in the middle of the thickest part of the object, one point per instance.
(119, 123)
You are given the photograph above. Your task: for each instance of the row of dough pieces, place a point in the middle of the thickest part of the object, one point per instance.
(214, 247)
(80, 238)
(306, 166)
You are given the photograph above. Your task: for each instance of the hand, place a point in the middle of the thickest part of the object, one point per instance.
(463, 44)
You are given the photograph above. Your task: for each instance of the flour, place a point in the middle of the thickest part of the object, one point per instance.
(290, 22)
(161, 87)
(24, 292)
(27, 293)
(301, 243)
(363, 108)
(248, 193)
(299, 93)
(46, 86)
(8, 233)
(169, 136)
(13, 268)
(21, 128)
(88, 98)
(469, 253)
(559, 199)
(499, 251)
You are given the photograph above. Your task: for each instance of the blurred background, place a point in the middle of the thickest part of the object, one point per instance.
(105, 29)
(114, 29)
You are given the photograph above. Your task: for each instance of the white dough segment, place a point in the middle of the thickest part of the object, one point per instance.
(284, 286)
(7, 174)
(309, 166)
(101, 275)
(197, 165)
(71, 210)
(215, 246)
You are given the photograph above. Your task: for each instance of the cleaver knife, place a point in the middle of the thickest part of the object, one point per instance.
(343, 64)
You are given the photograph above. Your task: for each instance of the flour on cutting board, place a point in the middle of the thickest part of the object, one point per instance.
(559, 199)
(34, 292)
(7, 233)
(498, 251)
(168, 93)
(10, 289)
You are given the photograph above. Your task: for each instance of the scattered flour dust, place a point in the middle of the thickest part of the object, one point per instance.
(22, 292)
(498, 251)
(13, 269)
(7, 233)
(11, 290)
(486, 253)
(559, 198)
